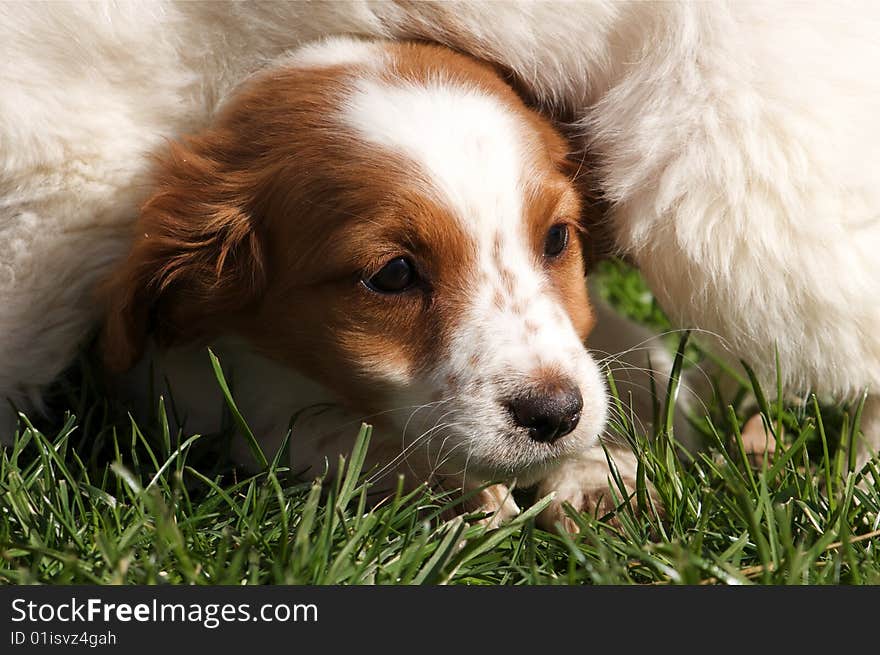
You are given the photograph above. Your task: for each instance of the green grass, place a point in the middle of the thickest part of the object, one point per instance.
(97, 500)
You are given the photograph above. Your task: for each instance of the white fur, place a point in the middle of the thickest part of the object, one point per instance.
(738, 143)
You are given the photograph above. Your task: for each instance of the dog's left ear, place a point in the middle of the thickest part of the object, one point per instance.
(197, 258)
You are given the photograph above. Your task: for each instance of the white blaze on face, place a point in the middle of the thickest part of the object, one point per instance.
(464, 139)
(476, 154)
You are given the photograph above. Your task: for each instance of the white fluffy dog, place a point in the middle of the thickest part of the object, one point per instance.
(737, 144)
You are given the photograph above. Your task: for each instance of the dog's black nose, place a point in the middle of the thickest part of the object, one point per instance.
(549, 411)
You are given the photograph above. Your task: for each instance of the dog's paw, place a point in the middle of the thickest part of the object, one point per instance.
(586, 484)
(497, 502)
(757, 440)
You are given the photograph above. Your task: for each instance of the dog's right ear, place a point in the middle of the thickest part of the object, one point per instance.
(197, 256)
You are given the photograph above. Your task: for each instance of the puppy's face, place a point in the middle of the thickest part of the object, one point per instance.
(392, 222)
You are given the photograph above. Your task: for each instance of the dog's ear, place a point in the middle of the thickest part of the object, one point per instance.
(197, 255)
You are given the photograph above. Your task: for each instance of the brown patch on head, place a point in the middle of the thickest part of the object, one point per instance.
(367, 332)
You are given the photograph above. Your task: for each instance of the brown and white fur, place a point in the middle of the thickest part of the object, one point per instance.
(266, 235)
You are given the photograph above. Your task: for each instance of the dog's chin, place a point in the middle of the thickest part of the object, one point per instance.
(513, 457)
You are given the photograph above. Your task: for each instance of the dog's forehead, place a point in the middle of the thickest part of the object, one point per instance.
(468, 150)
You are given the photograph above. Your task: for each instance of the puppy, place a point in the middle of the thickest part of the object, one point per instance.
(380, 232)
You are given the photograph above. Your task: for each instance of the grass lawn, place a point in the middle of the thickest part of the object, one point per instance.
(93, 498)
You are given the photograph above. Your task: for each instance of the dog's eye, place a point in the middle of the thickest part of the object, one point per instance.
(556, 240)
(396, 276)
